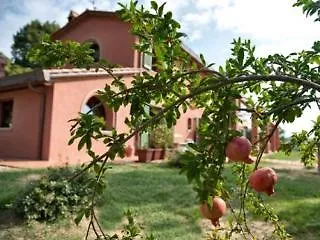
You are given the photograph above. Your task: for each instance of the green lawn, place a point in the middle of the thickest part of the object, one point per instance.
(294, 156)
(297, 202)
(12, 182)
(165, 204)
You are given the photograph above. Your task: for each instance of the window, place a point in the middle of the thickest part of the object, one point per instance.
(6, 108)
(97, 108)
(147, 61)
(96, 54)
(196, 122)
(189, 123)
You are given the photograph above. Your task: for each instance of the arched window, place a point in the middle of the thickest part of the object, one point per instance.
(97, 108)
(96, 48)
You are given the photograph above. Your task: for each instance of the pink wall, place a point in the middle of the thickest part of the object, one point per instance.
(22, 140)
(182, 133)
(112, 35)
(47, 124)
(68, 98)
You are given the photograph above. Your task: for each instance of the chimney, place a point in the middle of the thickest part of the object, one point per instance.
(72, 15)
(2, 65)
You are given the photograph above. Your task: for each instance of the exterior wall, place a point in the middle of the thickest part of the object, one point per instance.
(181, 132)
(22, 140)
(112, 35)
(68, 98)
(45, 152)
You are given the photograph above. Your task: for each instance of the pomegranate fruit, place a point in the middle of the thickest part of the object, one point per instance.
(239, 149)
(263, 180)
(205, 210)
(214, 213)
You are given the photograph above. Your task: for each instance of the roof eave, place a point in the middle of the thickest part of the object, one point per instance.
(35, 77)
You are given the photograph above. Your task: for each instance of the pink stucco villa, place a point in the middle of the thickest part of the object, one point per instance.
(35, 107)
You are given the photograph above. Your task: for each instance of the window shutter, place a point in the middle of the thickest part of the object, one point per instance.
(144, 136)
(147, 61)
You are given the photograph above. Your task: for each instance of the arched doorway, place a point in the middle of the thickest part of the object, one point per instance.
(94, 106)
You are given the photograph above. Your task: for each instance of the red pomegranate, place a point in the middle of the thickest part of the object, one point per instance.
(263, 180)
(214, 213)
(128, 150)
(205, 210)
(239, 149)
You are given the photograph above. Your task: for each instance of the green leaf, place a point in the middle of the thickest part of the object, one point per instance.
(160, 11)
(154, 5)
(72, 140)
(168, 16)
(82, 142)
(240, 57)
(96, 168)
(203, 61)
(79, 217)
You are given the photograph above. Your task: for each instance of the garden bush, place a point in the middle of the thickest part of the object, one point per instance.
(161, 136)
(55, 195)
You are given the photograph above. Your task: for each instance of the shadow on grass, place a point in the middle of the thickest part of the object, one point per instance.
(161, 198)
(297, 184)
(297, 201)
(13, 183)
(9, 219)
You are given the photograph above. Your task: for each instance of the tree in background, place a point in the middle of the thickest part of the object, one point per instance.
(3, 55)
(282, 134)
(27, 37)
(12, 68)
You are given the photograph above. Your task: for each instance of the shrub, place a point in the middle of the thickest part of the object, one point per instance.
(176, 159)
(161, 136)
(54, 196)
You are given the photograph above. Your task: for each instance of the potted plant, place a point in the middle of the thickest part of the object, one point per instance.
(145, 154)
(160, 138)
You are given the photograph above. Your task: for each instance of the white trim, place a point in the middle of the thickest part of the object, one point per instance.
(106, 132)
(50, 74)
(8, 129)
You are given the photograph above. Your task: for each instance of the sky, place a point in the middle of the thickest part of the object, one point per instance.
(274, 26)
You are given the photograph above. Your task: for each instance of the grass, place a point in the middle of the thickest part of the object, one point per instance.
(297, 202)
(166, 205)
(294, 156)
(14, 182)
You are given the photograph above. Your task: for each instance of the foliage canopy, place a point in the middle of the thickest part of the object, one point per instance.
(276, 88)
(27, 37)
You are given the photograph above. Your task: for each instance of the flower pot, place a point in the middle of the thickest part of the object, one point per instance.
(157, 154)
(163, 154)
(149, 154)
(128, 150)
(145, 155)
